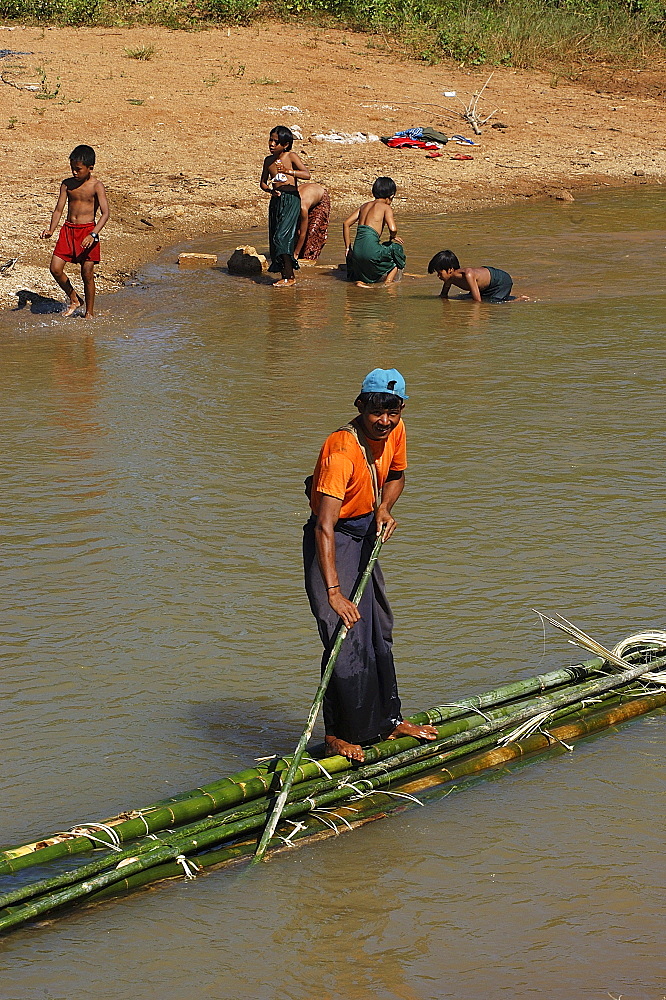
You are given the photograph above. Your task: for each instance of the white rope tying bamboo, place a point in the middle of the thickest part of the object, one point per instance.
(191, 870)
(84, 830)
(326, 822)
(321, 816)
(298, 826)
(556, 739)
(371, 790)
(468, 708)
(356, 787)
(400, 795)
(318, 763)
(330, 812)
(139, 815)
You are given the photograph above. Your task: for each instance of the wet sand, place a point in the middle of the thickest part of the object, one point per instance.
(181, 136)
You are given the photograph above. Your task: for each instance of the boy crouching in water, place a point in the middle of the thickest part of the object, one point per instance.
(484, 284)
(78, 240)
(369, 261)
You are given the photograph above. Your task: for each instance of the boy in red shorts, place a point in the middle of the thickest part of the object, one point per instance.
(78, 240)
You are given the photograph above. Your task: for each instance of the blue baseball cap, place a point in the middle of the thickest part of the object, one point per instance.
(385, 380)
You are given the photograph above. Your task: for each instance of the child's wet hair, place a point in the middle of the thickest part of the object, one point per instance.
(284, 136)
(83, 154)
(379, 401)
(384, 187)
(445, 260)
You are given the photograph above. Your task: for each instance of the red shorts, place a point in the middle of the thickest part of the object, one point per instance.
(69, 248)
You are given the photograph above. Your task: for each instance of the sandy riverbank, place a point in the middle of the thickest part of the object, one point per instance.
(181, 137)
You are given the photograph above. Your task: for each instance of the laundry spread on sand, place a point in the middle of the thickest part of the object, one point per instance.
(345, 138)
(419, 137)
(428, 133)
(289, 108)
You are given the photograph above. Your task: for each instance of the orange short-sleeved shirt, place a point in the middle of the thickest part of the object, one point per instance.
(342, 471)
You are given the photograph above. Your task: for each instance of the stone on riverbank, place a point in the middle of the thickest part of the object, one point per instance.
(246, 260)
(197, 259)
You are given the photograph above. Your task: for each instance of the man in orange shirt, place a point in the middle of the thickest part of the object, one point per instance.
(358, 477)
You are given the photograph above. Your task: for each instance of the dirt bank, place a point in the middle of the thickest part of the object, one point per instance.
(181, 135)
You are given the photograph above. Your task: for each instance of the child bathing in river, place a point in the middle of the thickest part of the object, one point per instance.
(484, 284)
(369, 261)
(78, 240)
(280, 175)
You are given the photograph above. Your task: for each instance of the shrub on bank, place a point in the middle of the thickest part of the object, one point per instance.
(523, 33)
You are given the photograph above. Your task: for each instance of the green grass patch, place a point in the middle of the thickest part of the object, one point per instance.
(521, 33)
(144, 53)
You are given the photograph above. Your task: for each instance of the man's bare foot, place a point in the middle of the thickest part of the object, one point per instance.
(409, 729)
(89, 316)
(284, 282)
(72, 307)
(362, 284)
(522, 298)
(349, 750)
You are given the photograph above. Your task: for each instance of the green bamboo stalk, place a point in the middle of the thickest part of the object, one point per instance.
(531, 685)
(316, 705)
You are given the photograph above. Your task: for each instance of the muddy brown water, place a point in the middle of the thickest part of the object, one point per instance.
(156, 635)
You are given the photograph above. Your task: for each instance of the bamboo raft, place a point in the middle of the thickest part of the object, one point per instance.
(220, 824)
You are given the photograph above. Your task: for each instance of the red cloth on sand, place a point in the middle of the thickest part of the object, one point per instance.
(397, 143)
(69, 242)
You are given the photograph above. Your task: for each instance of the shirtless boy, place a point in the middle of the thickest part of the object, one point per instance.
(369, 261)
(78, 240)
(280, 176)
(484, 284)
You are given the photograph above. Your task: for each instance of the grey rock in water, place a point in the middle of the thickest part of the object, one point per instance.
(563, 196)
(246, 260)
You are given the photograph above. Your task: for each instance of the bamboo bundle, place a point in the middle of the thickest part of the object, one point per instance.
(264, 779)
(168, 860)
(222, 822)
(252, 815)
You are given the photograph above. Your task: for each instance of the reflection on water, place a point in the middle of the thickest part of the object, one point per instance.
(156, 633)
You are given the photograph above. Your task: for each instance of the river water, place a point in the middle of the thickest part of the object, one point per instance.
(156, 634)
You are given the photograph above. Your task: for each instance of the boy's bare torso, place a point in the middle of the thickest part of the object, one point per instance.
(82, 200)
(480, 274)
(376, 214)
